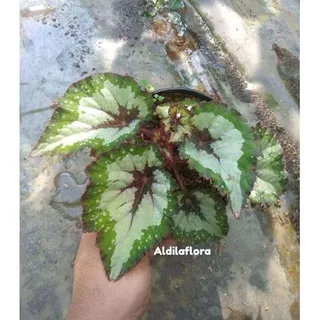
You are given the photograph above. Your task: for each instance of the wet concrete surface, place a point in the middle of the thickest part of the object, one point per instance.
(248, 31)
(254, 274)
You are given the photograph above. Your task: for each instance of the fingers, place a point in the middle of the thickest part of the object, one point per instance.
(88, 241)
(88, 255)
(144, 262)
(165, 243)
(169, 243)
(87, 248)
(88, 245)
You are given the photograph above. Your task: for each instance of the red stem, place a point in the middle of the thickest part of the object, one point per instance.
(116, 125)
(177, 159)
(147, 132)
(176, 173)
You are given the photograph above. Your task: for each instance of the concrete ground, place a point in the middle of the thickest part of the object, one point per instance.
(249, 29)
(254, 274)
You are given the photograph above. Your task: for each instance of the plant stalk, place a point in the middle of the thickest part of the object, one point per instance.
(147, 132)
(176, 173)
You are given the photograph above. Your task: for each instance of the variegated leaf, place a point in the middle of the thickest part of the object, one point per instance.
(222, 148)
(201, 217)
(175, 118)
(162, 110)
(128, 203)
(271, 176)
(98, 112)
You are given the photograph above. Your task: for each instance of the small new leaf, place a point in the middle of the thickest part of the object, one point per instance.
(128, 204)
(145, 85)
(222, 148)
(271, 176)
(99, 112)
(175, 118)
(201, 217)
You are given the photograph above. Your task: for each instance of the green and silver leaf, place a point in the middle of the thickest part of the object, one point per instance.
(129, 204)
(175, 118)
(162, 110)
(222, 148)
(271, 177)
(201, 217)
(98, 112)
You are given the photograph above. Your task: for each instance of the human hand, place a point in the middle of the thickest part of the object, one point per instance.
(95, 297)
